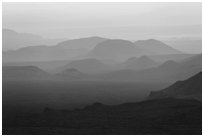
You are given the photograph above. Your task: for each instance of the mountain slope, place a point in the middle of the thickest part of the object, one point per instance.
(18, 72)
(173, 57)
(86, 66)
(191, 88)
(82, 43)
(63, 51)
(13, 40)
(115, 49)
(107, 50)
(41, 53)
(140, 63)
(169, 71)
(156, 46)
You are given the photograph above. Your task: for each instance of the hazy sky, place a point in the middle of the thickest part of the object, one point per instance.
(116, 20)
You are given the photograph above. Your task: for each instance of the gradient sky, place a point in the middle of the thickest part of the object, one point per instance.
(115, 20)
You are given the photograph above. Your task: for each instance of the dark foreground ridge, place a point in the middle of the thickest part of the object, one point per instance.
(160, 116)
(190, 88)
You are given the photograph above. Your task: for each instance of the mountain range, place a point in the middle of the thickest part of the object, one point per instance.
(50, 89)
(89, 65)
(167, 71)
(142, 69)
(110, 50)
(139, 63)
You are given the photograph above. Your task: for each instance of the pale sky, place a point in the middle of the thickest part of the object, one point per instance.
(113, 20)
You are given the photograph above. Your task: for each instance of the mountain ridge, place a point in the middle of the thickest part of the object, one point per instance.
(156, 46)
(189, 88)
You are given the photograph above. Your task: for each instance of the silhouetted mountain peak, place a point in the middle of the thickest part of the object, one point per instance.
(115, 49)
(89, 65)
(156, 46)
(140, 63)
(150, 42)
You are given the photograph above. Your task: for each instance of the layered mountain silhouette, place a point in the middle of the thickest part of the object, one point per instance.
(189, 67)
(82, 43)
(42, 53)
(180, 70)
(116, 49)
(48, 66)
(156, 46)
(14, 40)
(111, 71)
(188, 43)
(87, 66)
(18, 72)
(141, 69)
(190, 88)
(168, 71)
(63, 51)
(71, 73)
(108, 50)
(140, 63)
(174, 57)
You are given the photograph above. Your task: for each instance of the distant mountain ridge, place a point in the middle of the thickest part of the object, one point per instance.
(115, 50)
(89, 65)
(156, 46)
(118, 49)
(81, 43)
(66, 50)
(14, 40)
(167, 71)
(18, 72)
(71, 73)
(109, 50)
(140, 63)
